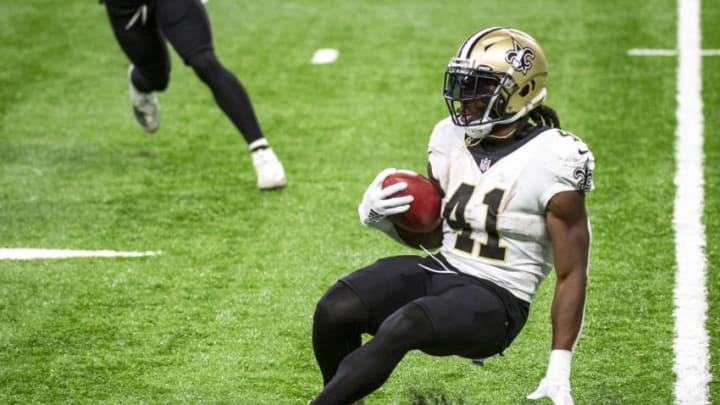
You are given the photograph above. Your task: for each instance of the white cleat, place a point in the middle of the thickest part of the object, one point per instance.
(270, 172)
(145, 106)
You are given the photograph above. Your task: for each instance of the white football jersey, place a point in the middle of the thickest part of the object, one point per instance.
(494, 205)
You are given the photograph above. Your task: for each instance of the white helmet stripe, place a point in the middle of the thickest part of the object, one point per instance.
(469, 44)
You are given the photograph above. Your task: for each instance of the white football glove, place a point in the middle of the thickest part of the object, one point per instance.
(556, 384)
(376, 204)
(557, 391)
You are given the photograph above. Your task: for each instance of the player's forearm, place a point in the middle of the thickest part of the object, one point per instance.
(567, 309)
(429, 240)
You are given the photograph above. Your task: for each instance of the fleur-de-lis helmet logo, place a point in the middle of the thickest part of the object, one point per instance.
(520, 58)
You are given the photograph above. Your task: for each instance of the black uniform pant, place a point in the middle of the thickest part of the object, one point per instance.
(407, 303)
(142, 29)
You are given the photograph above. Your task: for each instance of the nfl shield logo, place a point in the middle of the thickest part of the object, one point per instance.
(485, 164)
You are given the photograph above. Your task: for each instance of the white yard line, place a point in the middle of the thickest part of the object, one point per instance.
(691, 343)
(29, 254)
(668, 52)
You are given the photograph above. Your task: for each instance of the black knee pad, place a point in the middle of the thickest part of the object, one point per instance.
(408, 327)
(339, 306)
(324, 314)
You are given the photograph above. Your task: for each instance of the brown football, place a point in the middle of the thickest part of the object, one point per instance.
(424, 212)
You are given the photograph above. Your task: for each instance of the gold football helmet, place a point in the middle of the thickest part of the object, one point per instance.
(497, 77)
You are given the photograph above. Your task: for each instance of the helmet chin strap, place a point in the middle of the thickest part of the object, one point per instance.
(483, 130)
(478, 132)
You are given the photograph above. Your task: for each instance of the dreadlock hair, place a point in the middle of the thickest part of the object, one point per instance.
(544, 115)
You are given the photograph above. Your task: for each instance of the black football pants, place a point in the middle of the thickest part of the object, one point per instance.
(142, 35)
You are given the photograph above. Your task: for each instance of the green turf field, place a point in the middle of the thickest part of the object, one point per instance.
(223, 314)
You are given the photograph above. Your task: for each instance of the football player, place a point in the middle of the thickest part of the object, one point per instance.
(513, 208)
(142, 28)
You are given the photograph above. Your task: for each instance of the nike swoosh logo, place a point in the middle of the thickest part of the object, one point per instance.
(582, 152)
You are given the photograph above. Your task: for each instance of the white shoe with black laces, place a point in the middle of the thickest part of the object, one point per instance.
(270, 172)
(145, 106)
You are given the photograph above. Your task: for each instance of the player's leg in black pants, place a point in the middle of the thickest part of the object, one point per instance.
(229, 94)
(405, 308)
(366, 368)
(186, 25)
(351, 371)
(143, 44)
(338, 324)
